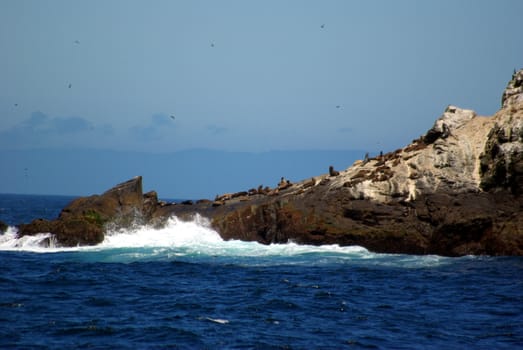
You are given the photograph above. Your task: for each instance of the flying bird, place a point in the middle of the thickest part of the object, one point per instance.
(338, 106)
(322, 26)
(212, 44)
(69, 86)
(172, 117)
(77, 42)
(16, 104)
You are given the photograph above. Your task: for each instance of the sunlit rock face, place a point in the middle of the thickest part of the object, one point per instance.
(513, 93)
(455, 190)
(445, 158)
(502, 159)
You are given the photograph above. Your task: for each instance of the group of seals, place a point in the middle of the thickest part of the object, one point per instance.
(243, 195)
(282, 185)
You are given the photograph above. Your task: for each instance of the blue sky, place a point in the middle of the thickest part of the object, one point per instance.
(248, 76)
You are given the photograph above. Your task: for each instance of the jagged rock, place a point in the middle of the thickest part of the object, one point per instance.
(501, 163)
(452, 118)
(513, 93)
(123, 201)
(3, 227)
(150, 203)
(84, 220)
(454, 191)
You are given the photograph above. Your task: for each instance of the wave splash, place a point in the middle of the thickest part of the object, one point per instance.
(195, 236)
(175, 233)
(10, 241)
(196, 239)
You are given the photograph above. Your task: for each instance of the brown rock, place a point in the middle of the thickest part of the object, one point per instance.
(84, 220)
(456, 190)
(3, 227)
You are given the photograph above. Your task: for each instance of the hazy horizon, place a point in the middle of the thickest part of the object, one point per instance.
(189, 174)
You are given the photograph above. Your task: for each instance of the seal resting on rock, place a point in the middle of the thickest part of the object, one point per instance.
(333, 172)
(223, 197)
(284, 184)
(309, 183)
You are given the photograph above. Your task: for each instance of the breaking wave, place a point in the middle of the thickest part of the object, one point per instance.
(196, 239)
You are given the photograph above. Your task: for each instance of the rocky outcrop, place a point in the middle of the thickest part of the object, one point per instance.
(454, 191)
(513, 93)
(501, 163)
(85, 220)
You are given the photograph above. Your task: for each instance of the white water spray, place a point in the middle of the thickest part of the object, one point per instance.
(185, 237)
(196, 238)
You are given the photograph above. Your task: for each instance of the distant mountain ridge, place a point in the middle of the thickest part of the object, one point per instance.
(195, 174)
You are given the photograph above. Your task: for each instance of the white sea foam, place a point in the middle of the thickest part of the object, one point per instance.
(41, 242)
(175, 233)
(10, 241)
(183, 237)
(196, 238)
(215, 320)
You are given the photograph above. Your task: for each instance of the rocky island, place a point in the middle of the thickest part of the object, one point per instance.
(457, 190)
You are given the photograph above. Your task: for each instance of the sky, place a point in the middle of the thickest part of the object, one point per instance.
(251, 76)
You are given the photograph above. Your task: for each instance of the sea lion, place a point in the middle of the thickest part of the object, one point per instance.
(309, 183)
(223, 197)
(284, 184)
(274, 192)
(333, 172)
(239, 194)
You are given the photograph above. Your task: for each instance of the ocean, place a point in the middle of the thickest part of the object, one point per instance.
(183, 287)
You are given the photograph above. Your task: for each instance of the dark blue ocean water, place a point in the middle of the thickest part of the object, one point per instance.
(182, 287)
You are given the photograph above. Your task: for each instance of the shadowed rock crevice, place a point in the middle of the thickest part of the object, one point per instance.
(3, 227)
